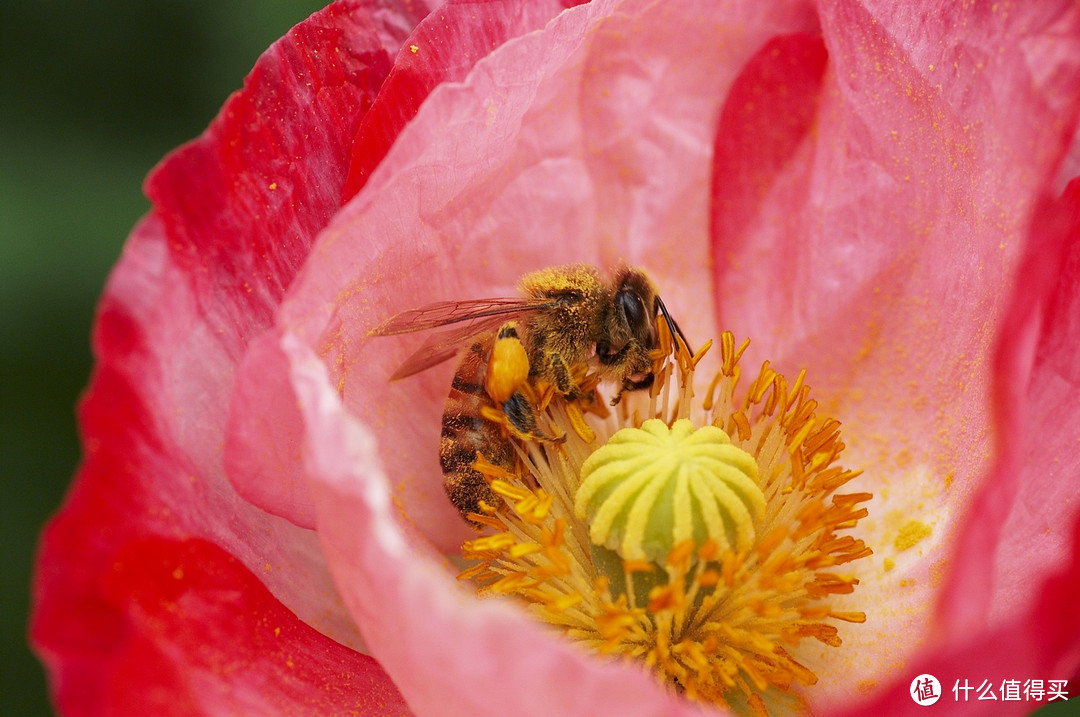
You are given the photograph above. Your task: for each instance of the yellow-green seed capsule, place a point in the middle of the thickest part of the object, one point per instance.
(651, 488)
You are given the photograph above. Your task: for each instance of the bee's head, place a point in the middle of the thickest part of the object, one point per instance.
(633, 315)
(632, 319)
(630, 332)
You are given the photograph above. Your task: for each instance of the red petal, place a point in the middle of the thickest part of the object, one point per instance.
(235, 214)
(242, 203)
(195, 633)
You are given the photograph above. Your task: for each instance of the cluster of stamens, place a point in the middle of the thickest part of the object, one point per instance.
(711, 566)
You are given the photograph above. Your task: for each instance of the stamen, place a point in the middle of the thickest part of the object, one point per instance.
(699, 538)
(577, 422)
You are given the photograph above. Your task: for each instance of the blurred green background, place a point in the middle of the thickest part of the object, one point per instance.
(92, 95)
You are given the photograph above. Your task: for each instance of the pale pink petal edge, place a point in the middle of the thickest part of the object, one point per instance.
(447, 652)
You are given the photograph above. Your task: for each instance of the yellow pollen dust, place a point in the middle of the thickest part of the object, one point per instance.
(703, 537)
(911, 534)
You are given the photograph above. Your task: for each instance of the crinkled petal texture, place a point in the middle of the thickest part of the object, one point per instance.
(148, 595)
(865, 186)
(892, 219)
(261, 456)
(1015, 572)
(860, 187)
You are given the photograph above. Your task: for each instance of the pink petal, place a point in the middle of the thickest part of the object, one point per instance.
(234, 217)
(501, 175)
(1034, 538)
(874, 244)
(262, 437)
(1024, 569)
(442, 48)
(1018, 528)
(445, 216)
(197, 633)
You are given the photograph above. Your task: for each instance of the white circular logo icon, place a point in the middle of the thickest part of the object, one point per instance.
(925, 690)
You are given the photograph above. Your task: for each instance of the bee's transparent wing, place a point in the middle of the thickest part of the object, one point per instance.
(476, 316)
(442, 313)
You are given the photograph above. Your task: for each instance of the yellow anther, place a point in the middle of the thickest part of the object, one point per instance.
(489, 470)
(508, 491)
(708, 578)
(638, 566)
(577, 422)
(491, 543)
(565, 602)
(488, 520)
(696, 358)
(522, 549)
(512, 582)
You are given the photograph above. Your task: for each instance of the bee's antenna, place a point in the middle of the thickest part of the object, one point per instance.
(672, 326)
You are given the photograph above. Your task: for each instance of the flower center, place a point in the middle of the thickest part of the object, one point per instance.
(702, 540)
(650, 488)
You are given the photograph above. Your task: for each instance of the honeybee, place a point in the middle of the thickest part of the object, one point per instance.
(565, 317)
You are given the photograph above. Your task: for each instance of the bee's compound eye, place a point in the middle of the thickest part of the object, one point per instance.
(632, 308)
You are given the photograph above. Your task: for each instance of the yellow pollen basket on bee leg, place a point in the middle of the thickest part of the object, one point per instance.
(508, 367)
(705, 539)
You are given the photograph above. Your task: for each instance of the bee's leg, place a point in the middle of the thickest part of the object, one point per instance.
(631, 385)
(521, 420)
(564, 380)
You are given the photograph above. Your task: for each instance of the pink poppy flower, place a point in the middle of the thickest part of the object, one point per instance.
(876, 192)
